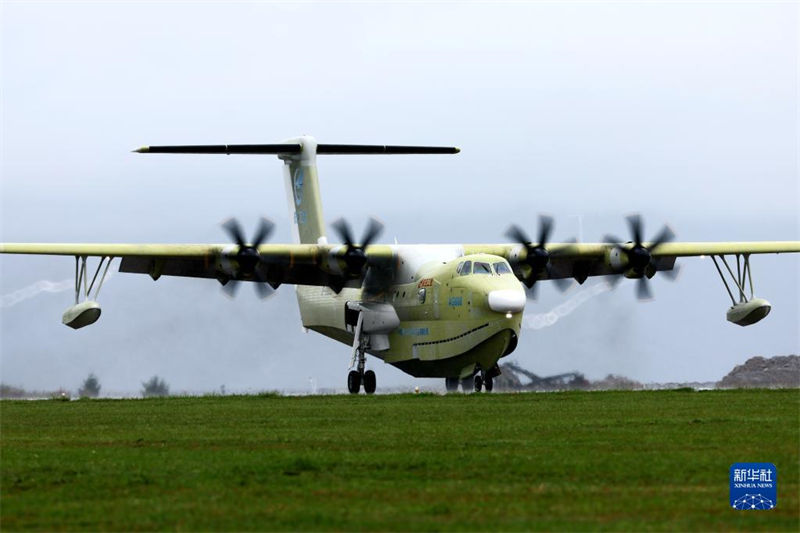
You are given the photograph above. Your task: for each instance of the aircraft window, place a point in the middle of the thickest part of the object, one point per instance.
(466, 268)
(502, 268)
(482, 268)
(422, 296)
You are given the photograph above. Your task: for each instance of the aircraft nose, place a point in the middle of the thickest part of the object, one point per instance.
(507, 301)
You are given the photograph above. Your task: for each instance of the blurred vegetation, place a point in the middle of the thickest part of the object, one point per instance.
(90, 388)
(155, 387)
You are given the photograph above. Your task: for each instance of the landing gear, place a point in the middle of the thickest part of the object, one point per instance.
(369, 381)
(478, 382)
(488, 383)
(451, 384)
(358, 377)
(353, 382)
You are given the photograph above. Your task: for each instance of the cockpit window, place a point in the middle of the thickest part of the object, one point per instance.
(502, 268)
(482, 268)
(465, 268)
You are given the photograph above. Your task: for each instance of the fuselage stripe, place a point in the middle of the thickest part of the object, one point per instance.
(452, 338)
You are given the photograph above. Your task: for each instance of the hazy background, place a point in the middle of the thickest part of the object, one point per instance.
(684, 112)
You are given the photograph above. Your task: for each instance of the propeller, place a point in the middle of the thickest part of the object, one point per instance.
(639, 256)
(376, 277)
(537, 256)
(354, 256)
(247, 256)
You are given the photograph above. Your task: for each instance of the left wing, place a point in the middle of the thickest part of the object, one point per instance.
(303, 264)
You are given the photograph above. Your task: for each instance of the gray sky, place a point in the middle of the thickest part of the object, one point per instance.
(685, 113)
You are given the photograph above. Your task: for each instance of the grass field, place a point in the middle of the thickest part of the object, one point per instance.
(567, 461)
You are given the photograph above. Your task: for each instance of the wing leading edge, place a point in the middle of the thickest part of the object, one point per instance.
(308, 264)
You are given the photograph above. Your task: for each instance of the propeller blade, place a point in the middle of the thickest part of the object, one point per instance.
(613, 280)
(635, 224)
(230, 288)
(373, 230)
(643, 289)
(562, 284)
(666, 235)
(516, 234)
(234, 231)
(265, 228)
(263, 289)
(533, 291)
(612, 239)
(343, 229)
(545, 227)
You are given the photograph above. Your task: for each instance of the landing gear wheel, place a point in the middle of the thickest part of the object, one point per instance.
(488, 383)
(369, 381)
(451, 384)
(467, 385)
(354, 382)
(478, 382)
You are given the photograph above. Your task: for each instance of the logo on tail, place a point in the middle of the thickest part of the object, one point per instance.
(298, 186)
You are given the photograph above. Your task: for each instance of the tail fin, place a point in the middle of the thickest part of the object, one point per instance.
(300, 172)
(302, 192)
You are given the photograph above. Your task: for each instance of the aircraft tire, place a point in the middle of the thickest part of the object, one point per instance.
(478, 382)
(370, 382)
(488, 383)
(467, 384)
(353, 382)
(451, 384)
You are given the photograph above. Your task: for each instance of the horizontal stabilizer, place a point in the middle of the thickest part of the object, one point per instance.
(344, 149)
(283, 148)
(292, 148)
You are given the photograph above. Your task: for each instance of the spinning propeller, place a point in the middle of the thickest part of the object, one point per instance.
(354, 256)
(640, 257)
(537, 256)
(376, 277)
(247, 256)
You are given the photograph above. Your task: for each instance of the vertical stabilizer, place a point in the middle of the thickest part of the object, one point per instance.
(302, 192)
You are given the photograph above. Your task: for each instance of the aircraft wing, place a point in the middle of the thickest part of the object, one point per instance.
(326, 265)
(582, 260)
(304, 264)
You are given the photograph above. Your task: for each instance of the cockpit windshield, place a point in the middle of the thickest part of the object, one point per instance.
(481, 268)
(502, 268)
(465, 268)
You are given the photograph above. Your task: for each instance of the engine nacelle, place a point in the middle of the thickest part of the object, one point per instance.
(617, 259)
(82, 314)
(747, 313)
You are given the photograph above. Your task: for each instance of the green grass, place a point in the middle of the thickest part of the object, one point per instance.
(567, 461)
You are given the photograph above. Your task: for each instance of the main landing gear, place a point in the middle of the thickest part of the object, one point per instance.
(358, 377)
(480, 381)
(355, 380)
(477, 384)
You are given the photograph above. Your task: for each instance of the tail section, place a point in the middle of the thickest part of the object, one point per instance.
(302, 192)
(299, 156)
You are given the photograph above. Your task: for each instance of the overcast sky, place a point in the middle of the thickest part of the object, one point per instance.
(587, 111)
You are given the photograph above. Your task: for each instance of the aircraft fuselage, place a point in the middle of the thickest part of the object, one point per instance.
(456, 313)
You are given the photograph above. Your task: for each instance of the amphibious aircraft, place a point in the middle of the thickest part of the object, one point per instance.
(449, 311)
